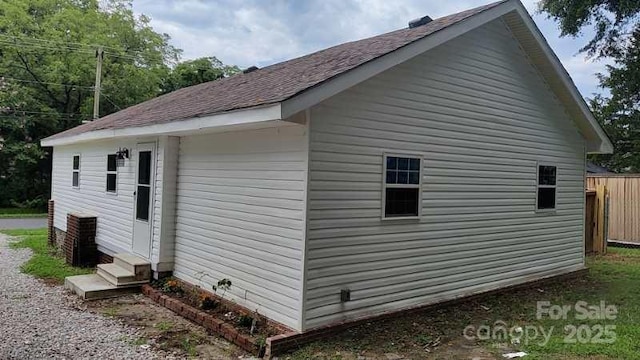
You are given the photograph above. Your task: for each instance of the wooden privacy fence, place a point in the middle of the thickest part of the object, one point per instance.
(623, 220)
(595, 240)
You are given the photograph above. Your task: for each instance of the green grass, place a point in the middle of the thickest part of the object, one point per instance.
(10, 213)
(164, 325)
(613, 278)
(44, 263)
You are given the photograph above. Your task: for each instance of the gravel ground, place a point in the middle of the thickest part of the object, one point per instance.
(38, 321)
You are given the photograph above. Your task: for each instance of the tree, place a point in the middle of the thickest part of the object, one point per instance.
(617, 37)
(193, 72)
(47, 72)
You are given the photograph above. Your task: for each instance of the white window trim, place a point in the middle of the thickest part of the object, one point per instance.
(115, 192)
(401, 186)
(538, 186)
(74, 170)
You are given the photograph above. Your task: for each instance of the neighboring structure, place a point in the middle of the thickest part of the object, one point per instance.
(597, 169)
(413, 167)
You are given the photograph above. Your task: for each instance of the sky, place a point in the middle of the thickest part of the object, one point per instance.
(263, 32)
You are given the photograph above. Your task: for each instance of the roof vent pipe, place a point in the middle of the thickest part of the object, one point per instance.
(250, 69)
(419, 22)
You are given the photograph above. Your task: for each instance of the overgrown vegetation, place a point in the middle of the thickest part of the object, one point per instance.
(47, 74)
(44, 263)
(616, 25)
(613, 278)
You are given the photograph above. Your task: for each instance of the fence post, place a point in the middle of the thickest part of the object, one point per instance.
(600, 243)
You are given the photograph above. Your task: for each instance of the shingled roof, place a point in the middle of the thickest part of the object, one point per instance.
(269, 85)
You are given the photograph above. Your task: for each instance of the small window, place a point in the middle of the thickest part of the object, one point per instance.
(75, 176)
(112, 173)
(402, 186)
(547, 177)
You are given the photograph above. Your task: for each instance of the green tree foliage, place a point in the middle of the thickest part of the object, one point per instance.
(47, 72)
(193, 72)
(617, 37)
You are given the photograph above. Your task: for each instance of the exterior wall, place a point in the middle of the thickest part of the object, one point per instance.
(240, 215)
(481, 117)
(114, 212)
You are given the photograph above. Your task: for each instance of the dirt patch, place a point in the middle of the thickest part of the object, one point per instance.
(161, 328)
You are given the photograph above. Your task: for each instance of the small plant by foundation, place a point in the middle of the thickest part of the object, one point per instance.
(172, 286)
(245, 321)
(224, 285)
(207, 302)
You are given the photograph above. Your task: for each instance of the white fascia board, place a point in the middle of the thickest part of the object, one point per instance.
(226, 119)
(363, 72)
(604, 145)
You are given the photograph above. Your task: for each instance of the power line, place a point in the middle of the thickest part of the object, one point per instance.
(50, 117)
(47, 44)
(111, 102)
(43, 113)
(47, 83)
(63, 48)
(35, 46)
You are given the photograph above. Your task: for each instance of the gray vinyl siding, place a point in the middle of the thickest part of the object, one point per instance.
(481, 117)
(240, 215)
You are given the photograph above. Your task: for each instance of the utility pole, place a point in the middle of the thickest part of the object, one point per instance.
(96, 93)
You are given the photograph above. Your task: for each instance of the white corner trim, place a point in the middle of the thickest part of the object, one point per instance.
(231, 118)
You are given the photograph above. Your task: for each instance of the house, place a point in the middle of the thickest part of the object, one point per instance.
(429, 163)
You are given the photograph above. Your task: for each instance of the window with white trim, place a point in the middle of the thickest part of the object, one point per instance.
(112, 173)
(75, 176)
(547, 182)
(401, 190)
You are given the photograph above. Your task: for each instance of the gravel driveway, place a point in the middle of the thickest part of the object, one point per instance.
(38, 321)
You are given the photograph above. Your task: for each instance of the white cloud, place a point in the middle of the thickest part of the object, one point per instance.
(256, 32)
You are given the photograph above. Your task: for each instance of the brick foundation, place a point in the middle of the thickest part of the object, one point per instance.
(80, 247)
(51, 234)
(104, 258)
(208, 321)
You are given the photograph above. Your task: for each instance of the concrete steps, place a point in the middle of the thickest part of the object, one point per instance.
(125, 275)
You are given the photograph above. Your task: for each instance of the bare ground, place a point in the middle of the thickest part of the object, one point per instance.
(163, 329)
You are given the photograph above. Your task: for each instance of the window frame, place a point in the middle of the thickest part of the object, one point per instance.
(538, 186)
(385, 186)
(113, 172)
(73, 171)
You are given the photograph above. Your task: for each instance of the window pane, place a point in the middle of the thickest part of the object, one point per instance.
(392, 163)
(414, 177)
(111, 182)
(142, 203)
(546, 175)
(414, 164)
(111, 163)
(144, 168)
(392, 177)
(76, 162)
(546, 198)
(401, 202)
(403, 163)
(75, 179)
(403, 177)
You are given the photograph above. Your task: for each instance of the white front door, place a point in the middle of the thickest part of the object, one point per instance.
(143, 200)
